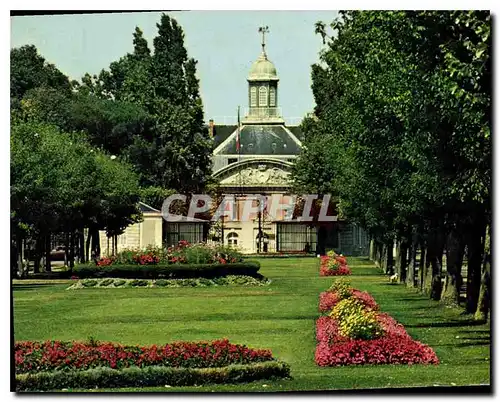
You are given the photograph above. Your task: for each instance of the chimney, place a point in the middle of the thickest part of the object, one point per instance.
(211, 128)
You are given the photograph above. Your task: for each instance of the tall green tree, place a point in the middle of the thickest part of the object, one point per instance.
(403, 99)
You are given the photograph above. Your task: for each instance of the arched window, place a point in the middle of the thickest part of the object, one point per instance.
(253, 96)
(272, 97)
(232, 239)
(262, 96)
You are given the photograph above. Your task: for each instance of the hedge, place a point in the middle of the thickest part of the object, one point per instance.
(151, 376)
(179, 271)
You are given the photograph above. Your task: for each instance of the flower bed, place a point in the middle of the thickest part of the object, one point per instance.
(113, 283)
(182, 253)
(55, 365)
(56, 355)
(333, 264)
(355, 332)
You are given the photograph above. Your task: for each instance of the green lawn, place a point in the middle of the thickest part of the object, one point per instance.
(280, 316)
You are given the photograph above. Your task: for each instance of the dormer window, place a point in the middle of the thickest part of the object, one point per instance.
(263, 96)
(253, 96)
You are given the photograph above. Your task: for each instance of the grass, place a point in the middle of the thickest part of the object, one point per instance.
(280, 316)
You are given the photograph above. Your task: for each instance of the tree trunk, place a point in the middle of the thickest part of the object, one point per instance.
(372, 250)
(397, 258)
(38, 255)
(453, 277)
(66, 248)
(474, 258)
(72, 249)
(437, 264)
(484, 302)
(422, 266)
(47, 250)
(402, 261)
(87, 245)
(81, 245)
(412, 265)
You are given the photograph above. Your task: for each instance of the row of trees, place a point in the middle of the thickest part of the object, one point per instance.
(84, 153)
(402, 134)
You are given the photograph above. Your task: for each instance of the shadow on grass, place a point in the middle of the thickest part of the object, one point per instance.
(449, 324)
(31, 286)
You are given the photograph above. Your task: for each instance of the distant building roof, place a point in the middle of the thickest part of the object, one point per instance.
(221, 132)
(297, 132)
(262, 140)
(147, 208)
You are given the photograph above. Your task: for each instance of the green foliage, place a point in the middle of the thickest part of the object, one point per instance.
(401, 127)
(249, 268)
(60, 181)
(176, 154)
(119, 282)
(138, 283)
(198, 254)
(106, 282)
(105, 377)
(89, 283)
(28, 70)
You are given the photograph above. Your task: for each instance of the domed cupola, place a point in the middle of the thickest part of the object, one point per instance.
(263, 69)
(263, 89)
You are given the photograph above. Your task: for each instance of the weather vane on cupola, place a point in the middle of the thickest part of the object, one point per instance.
(263, 30)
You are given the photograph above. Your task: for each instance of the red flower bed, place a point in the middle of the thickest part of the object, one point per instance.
(339, 269)
(395, 346)
(56, 355)
(327, 300)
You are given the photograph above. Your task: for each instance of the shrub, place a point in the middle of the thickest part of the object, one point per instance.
(205, 282)
(119, 282)
(162, 282)
(89, 283)
(105, 377)
(249, 268)
(106, 282)
(57, 355)
(138, 282)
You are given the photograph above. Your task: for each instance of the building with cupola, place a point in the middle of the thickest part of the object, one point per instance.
(255, 157)
(252, 158)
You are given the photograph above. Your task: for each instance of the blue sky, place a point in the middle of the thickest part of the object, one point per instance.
(225, 43)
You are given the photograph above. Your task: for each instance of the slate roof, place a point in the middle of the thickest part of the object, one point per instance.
(221, 132)
(297, 132)
(262, 140)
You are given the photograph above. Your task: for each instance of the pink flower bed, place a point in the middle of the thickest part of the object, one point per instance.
(327, 300)
(395, 347)
(340, 269)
